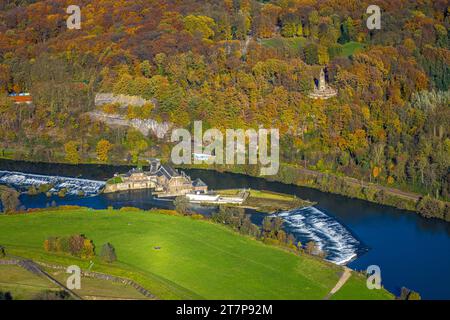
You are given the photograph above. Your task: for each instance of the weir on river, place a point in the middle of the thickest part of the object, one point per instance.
(22, 181)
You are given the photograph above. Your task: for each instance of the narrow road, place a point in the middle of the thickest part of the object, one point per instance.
(344, 277)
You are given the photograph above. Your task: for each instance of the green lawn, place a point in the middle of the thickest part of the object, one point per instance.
(278, 42)
(267, 201)
(262, 194)
(197, 259)
(348, 48)
(357, 284)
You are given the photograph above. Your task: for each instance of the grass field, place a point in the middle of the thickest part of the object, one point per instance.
(100, 289)
(351, 47)
(258, 194)
(356, 283)
(348, 48)
(197, 259)
(23, 285)
(267, 201)
(278, 42)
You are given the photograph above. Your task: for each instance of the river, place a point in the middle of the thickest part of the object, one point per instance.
(411, 251)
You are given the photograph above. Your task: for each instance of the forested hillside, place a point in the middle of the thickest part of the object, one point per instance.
(236, 64)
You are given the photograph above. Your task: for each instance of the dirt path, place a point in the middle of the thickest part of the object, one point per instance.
(344, 277)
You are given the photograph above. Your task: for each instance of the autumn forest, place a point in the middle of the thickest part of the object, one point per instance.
(235, 64)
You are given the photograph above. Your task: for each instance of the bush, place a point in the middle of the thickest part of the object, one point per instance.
(62, 193)
(5, 296)
(408, 294)
(429, 208)
(10, 200)
(181, 205)
(130, 209)
(44, 188)
(50, 244)
(108, 253)
(52, 295)
(62, 244)
(76, 245)
(114, 180)
(271, 242)
(88, 250)
(32, 191)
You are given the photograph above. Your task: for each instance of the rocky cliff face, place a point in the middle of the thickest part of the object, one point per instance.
(123, 100)
(146, 127)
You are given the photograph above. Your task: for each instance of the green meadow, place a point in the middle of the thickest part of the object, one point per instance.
(278, 42)
(177, 257)
(295, 44)
(351, 48)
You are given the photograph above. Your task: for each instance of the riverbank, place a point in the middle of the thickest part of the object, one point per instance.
(346, 186)
(299, 176)
(268, 202)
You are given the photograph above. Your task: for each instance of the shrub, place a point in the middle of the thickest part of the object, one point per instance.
(52, 295)
(408, 294)
(50, 244)
(5, 296)
(88, 250)
(32, 191)
(44, 188)
(114, 180)
(76, 244)
(272, 242)
(197, 216)
(108, 253)
(166, 212)
(429, 207)
(62, 244)
(130, 209)
(10, 200)
(181, 205)
(62, 193)
(72, 207)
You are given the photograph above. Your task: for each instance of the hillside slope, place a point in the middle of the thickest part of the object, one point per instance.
(195, 259)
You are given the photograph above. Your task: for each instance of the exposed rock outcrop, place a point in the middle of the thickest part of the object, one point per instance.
(146, 126)
(122, 100)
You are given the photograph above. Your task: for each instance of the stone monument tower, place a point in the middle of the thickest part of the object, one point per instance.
(322, 83)
(323, 90)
